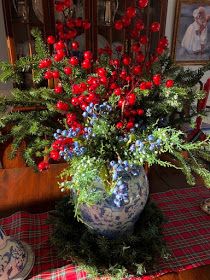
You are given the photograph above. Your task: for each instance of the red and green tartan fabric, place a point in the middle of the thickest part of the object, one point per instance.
(187, 234)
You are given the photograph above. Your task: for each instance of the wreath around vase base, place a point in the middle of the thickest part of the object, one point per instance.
(131, 255)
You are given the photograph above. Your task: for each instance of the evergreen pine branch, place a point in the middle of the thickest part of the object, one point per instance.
(28, 156)
(32, 128)
(203, 154)
(8, 103)
(165, 163)
(37, 75)
(15, 147)
(7, 71)
(40, 95)
(5, 137)
(24, 64)
(35, 149)
(10, 119)
(203, 173)
(41, 48)
(42, 98)
(195, 146)
(185, 167)
(116, 258)
(181, 75)
(21, 118)
(199, 169)
(41, 52)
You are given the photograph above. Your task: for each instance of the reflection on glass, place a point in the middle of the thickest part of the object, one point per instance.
(79, 8)
(106, 11)
(38, 9)
(76, 11)
(22, 9)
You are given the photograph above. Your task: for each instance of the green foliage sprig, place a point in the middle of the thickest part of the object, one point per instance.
(132, 255)
(87, 178)
(87, 171)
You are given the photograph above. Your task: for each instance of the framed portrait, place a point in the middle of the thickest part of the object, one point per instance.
(191, 39)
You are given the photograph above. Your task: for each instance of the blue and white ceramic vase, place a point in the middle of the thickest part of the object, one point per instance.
(110, 220)
(16, 258)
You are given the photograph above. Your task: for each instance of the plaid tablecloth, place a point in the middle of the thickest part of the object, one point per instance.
(187, 234)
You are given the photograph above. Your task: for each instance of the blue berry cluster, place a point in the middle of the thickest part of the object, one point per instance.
(92, 111)
(138, 126)
(75, 150)
(103, 109)
(122, 172)
(88, 132)
(152, 144)
(70, 133)
(125, 138)
(70, 150)
(122, 139)
(89, 112)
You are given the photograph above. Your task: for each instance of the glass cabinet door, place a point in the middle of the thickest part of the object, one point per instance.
(105, 35)
(80, 9)
(106, 12)
(20, 17)
(157, 12)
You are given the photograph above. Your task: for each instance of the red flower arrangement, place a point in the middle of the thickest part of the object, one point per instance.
(113, 108)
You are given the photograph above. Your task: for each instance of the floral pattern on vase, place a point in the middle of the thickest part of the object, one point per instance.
(15, 261)
(2, 238)
(111, 221)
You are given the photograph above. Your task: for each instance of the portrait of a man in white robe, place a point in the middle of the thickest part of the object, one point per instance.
(193, 33)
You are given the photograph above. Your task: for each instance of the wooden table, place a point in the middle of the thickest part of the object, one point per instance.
(200, 273)
(22, 189)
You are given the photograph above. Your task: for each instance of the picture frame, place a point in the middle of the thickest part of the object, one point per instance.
(191, 37)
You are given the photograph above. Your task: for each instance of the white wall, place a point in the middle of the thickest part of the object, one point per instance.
(169, 34)
(4, 88)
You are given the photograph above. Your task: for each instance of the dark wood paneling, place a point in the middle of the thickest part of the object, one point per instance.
(49, 22)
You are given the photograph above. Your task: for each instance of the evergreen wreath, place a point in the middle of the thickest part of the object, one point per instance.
(130, 255)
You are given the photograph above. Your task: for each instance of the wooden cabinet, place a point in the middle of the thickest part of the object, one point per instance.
(20, 17)
(106, 12)
(103, 13)
(23, 15)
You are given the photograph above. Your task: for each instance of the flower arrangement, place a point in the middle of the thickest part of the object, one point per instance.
(106, 115)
